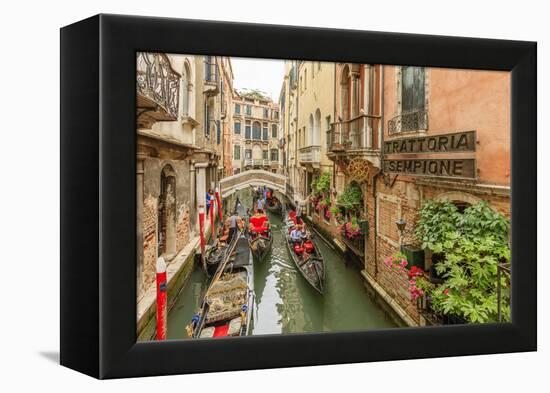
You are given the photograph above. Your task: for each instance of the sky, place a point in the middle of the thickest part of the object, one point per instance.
(263, 74)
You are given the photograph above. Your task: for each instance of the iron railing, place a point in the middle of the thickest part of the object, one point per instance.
(157, 82)
(408, 122)
(356, 133)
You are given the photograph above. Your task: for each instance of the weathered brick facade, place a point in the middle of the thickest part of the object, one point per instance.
(182, 227)
(149, 240)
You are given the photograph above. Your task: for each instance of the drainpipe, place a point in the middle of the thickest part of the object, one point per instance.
(381, 141)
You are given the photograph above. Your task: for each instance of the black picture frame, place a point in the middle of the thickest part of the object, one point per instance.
(98, 220)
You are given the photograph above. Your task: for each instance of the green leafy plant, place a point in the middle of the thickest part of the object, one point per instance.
(472, 244)
(322, 184)
(351, 198)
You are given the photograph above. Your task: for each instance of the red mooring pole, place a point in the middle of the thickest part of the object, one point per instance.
(201, 229)
(162, 313)
(219, 201)
(212, 231)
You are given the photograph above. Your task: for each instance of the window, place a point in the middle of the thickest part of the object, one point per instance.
(265, 132)
(237, 127)
(305, 79)
(412, 89)
(274, 154)
(256, 131)
(249, 110)
(237, 108)
(265, 154)
(266, 113)
(276, 114)
(274, 130)
(218, 132)
(206, 120)
(237, 152)
(247, 130)
(248, 154)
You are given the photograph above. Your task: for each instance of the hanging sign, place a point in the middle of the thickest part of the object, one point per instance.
(456, 168)
(443, 143)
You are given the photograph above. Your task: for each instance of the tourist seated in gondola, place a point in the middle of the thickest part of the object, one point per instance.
(296, 235)
(259, 223)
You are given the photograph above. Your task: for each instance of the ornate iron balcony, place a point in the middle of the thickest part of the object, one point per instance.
(357, 133)
(407, 122)
(157, 86)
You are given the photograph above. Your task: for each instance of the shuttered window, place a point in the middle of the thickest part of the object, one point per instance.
(412, 89)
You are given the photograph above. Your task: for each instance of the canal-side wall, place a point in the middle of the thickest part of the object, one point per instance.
(392, 308)
(178, 272)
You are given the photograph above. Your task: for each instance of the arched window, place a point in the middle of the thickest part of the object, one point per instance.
(317, 128)
(345, 94)
(309, 137)
(167, 213)
(187, 87)
(256, 130)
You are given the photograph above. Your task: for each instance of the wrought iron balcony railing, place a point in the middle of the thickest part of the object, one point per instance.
(309, 155)
(157, 86)
(354, 134)
(407, 122)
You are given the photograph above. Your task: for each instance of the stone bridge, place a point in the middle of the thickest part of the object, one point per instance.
(255, 178)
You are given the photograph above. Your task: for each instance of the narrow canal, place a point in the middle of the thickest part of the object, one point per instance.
(285, 303)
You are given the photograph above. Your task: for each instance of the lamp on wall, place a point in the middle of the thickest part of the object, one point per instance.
(401, 225)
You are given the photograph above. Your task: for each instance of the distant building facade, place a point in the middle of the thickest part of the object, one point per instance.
(255, 137)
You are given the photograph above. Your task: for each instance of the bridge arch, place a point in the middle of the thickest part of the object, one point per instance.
(255, 177)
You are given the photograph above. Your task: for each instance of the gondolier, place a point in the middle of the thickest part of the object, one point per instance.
(233, 222)
(298, 212)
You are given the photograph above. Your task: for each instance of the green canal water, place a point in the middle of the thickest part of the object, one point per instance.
(285, 303)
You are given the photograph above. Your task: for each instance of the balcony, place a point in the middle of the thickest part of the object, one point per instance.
(309, 155)
(157, 89)
(211, 78)
(266, 162)
(248, 162)
(358, 136)
(408, 122)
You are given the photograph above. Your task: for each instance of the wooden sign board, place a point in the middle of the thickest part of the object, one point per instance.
(457, 142)
(455, 168)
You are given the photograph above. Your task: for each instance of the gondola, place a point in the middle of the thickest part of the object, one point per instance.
(260, 238)
(308, 259)
(221, 248)
(273, 205)
(218, 252)
(227, 306)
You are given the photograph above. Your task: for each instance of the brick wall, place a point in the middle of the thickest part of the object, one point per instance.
(182, 227)
(149, 241)
(403, 200)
